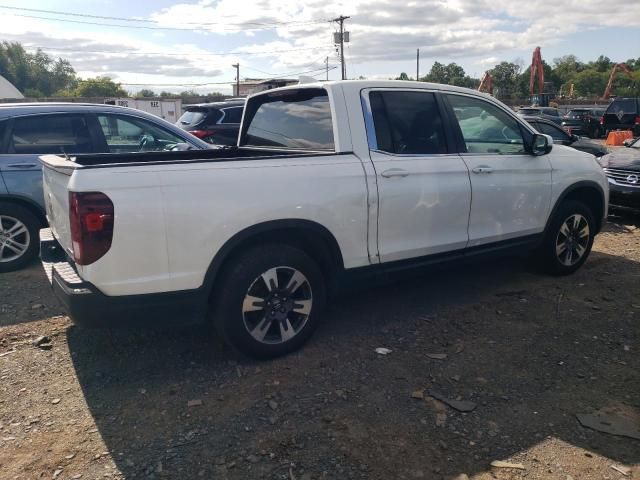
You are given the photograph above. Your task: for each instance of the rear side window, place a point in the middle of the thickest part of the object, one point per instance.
(407, 122)
(232, 114)
(299, 119)
(491, 130)
(50, 134)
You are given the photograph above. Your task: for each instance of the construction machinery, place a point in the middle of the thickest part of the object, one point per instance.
(617, 67)
(486, 83)
(536, 72)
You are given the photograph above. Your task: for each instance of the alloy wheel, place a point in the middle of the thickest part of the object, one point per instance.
(572, 240)
(14, 239)
(277, 305)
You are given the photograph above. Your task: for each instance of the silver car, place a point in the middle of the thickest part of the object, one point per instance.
(28, 130)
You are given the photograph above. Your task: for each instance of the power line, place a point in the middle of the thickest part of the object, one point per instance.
(252, 25)
(127, 52)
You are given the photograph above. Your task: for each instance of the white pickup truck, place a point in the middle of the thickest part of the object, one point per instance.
(328, 182)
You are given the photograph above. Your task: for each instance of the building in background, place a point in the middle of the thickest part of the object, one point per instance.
(168, 109)
(249, 86)
(7, 90)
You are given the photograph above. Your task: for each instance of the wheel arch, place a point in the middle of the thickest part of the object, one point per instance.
(587, 192)
(311, 237)
(28, 204)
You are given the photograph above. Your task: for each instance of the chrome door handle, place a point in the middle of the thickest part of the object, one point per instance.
(22, 165)
(482, 169)
(394, 172)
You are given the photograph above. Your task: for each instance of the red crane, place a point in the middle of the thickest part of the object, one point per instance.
(537, 71)
(486, 83)
(614, 70)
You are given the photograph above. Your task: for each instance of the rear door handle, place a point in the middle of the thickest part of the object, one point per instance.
(482, 169)
(23, 166)
(394, 172)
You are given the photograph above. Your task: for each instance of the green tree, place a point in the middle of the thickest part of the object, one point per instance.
(506, 80)
(99, 87)
(146, 92)
(403, 76)
(35, 74)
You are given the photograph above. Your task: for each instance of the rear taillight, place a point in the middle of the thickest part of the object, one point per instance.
(202, 133)
(637, 120)
(570, 130)
(91, 222)
(601, 120)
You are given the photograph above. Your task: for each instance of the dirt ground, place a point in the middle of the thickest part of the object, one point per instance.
(529, 351)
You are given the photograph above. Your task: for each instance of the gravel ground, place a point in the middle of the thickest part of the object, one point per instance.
(524, 352)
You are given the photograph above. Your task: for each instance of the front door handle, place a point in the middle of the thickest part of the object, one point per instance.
(394, 172)
(482, 169)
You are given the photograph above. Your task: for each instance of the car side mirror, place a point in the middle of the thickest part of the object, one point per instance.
(541, 144)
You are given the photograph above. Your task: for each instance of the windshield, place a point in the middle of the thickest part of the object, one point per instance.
(636, 144)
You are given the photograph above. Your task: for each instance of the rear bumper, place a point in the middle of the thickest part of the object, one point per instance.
(89, 307)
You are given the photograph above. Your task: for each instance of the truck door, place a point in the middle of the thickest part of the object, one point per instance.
(423, 185)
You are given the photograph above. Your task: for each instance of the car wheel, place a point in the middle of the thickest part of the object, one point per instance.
(269, 301)
(18, 237)
(568, 239)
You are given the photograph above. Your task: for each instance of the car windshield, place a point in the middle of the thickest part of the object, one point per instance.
(636, 144)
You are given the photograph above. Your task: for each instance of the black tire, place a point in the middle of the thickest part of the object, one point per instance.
(244, 272)
(556, 263)
(12, 212)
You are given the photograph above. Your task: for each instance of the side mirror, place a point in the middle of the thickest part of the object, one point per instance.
(541, 144)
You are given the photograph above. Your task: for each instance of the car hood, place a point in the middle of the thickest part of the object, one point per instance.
(626, 158)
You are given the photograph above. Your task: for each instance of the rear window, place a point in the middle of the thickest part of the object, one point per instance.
(577, 111)
(299, 119)
(529, 111)
(626, 105)
(550, 111)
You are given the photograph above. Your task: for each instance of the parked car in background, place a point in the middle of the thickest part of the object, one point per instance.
(217, 122)
(562, 137)
(548, 113)
(622, 114)
(622, 168)
(28, 130)
(584, 121)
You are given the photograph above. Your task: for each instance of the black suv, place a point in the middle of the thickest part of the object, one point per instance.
(622, 114)
(217, 122)
(584, 121)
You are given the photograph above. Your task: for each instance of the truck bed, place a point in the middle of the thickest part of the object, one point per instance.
(226, 154)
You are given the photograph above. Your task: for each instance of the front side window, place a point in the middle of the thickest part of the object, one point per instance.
(485, 127)
(3, 129)
(556, 133)
(298, 119)
(128, 134)
(50, 134)
(407, 122)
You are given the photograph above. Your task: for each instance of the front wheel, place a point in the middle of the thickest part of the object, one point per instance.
(569, 238)
(269, 300)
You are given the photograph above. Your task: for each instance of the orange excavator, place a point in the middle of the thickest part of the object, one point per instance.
(536, 72)
(614, 70)
(486, 83)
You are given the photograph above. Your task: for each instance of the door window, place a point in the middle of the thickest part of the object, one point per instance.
(50, 134)
(485, 127)
(128, 134)
(3, 129)
(407, 122)
(555, 132)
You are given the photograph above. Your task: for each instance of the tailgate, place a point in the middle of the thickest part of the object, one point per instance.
(56, 175)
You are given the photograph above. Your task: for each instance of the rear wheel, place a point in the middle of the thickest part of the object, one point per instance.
(269, 300)
(569, 239)
(18, 237)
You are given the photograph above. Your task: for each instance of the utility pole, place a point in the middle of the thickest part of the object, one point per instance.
(237, 67)
(418, 65)
(341, 40)
(326, 61)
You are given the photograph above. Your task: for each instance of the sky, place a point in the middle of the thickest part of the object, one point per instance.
(179, 45)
